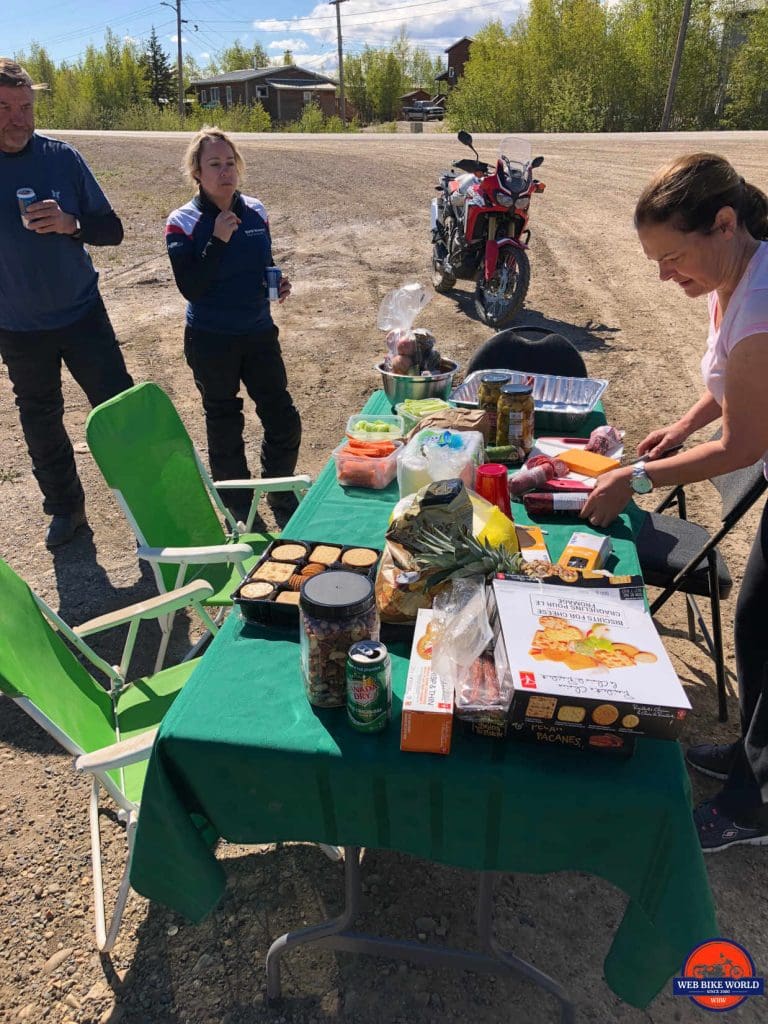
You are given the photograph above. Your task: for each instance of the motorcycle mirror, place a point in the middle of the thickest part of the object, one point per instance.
(537, 161)
(465, 139)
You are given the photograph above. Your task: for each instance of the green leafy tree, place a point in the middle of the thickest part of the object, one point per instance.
(238, 56)
(747, 102)
(356, 70)
(490, 93)
(158, 72)
(386, 83)
(191, 69)
(423, 70)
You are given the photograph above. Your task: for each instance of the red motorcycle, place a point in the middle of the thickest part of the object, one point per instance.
(480, 228)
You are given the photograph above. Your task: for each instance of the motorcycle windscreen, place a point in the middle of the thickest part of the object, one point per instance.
(514, 163)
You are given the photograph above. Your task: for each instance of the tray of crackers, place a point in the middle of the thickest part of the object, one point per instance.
(270, 592)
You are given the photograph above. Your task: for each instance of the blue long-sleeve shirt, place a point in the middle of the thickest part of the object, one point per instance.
(223, 282)
(48, 281)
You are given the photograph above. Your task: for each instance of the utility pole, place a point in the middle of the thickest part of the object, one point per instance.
(677, 61)
(342, 101)
(176, 6)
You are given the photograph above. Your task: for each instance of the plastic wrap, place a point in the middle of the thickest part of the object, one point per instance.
(537, 472)
(605, 440)
(462, 631)
(410, 352)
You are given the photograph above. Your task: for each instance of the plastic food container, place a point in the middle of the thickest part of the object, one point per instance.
(409, 419)
(283, 569)
(395, 427)
(360, 471)
(336, 609)
(418, 465)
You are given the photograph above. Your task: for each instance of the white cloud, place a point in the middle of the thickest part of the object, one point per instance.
(434, 25)
(130, 40)
(205, 55)
(175, 39)
(296, 45)
(318, 62)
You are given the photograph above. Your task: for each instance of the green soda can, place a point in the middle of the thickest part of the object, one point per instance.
(369, 686)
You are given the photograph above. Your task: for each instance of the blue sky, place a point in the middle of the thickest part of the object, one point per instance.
(308, 28)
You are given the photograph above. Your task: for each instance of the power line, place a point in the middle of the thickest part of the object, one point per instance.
(297, 23)
(142, 33)
(85, 30)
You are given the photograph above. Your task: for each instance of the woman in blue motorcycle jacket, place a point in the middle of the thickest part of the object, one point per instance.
(219, 245)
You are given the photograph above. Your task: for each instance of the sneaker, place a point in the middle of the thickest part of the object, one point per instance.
(63, 528)
(284, 502)
(712, 759)
(719, 831)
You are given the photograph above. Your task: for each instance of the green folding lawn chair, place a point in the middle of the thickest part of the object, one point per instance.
(148, 460)
(110, 732)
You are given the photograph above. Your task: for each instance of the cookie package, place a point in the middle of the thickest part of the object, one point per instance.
(585, 660)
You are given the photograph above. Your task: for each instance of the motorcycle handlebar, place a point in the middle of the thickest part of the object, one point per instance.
(473, 166)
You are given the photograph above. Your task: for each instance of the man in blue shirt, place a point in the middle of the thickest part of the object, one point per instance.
(50, 307)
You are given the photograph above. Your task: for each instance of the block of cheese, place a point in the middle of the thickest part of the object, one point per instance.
(587, 463)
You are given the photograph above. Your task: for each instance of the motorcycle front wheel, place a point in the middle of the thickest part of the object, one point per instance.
(499, 300)
(441, 280)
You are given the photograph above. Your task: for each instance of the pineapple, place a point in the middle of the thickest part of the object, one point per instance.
(451, 556)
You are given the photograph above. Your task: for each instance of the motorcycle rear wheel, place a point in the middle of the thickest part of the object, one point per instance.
(498, 301)
(442, 281)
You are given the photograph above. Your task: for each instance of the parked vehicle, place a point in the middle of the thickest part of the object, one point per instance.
(423, 110)
(480, 228)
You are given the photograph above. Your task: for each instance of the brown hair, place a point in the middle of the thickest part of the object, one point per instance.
(692, 189)
(14, 74)
(191, 165)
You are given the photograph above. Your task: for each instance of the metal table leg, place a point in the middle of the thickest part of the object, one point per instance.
(334, 934)
(508, 959)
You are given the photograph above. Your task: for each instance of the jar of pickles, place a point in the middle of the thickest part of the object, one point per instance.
(514, 423)
(488, 394)
(336, 608)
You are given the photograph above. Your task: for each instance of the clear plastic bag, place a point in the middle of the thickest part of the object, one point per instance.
(400, 307)
(462, 630)
(409, 351)
(446, 456)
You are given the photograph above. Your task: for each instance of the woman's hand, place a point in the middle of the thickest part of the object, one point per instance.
(283, 289)
(611, 495)
(225, 225)
(660, 441)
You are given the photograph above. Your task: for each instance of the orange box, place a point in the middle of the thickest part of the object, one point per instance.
(531, 542)
(586, 551)
(426, 723)
(587, 463)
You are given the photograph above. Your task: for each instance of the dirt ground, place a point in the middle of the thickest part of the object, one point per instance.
(350, 221)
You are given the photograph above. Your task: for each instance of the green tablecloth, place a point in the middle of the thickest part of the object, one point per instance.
(242, 753)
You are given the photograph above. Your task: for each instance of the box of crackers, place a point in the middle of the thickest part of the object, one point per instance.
(584, 662)
(271, 590)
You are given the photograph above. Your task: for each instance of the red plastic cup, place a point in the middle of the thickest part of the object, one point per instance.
(491, 482)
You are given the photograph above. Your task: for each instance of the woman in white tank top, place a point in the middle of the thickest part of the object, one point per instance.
(706, 228)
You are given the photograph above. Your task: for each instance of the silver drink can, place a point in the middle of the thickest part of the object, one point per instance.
(25, 197)
(273, 275)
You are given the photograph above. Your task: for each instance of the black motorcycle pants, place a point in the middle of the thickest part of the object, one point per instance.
(220, 363)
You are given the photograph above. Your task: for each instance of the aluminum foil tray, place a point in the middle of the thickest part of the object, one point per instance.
(573, 397)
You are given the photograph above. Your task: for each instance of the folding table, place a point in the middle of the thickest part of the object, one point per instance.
(242, 755)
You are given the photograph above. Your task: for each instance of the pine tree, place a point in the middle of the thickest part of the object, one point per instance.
(158, 71)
